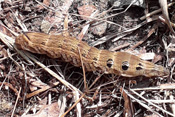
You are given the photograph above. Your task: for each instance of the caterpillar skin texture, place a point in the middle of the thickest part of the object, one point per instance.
(69, 49)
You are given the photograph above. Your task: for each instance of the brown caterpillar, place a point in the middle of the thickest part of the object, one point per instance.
(67, 48)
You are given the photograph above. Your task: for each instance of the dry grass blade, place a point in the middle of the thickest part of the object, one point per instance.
(16, 101)
(10, 56)
(8, 41)
(144, 105)
(128, 108)
(167, 86)
(163, 4)
(150, 103)
(73, 105)
(84, 75)
(62, 102)
(40, 90)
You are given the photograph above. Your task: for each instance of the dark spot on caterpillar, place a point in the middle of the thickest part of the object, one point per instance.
(140, 64)
(125, 65)
(138, 68)
(59, 46)
(95, 59)
(84, 55)
(110, 63)
(64, 40)
(72, 49)
(43, 43)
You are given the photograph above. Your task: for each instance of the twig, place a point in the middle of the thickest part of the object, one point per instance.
(167, 86)
(40, 90)
(150, 32)
(154, 12)
(120, 35)
(84, 75)
(73, 106)
(152, 103)
(16, 102)
(120, 47)
(163, 4)
(138, 101)
(10, 86)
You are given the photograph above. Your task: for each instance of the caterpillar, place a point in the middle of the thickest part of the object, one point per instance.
(69, 49)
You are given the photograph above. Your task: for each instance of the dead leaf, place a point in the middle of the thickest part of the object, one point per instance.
(46, 3)
(86, 10)
(157, 58)
(99, 28)
(3, 53)
(128, 109)
(35, 84)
